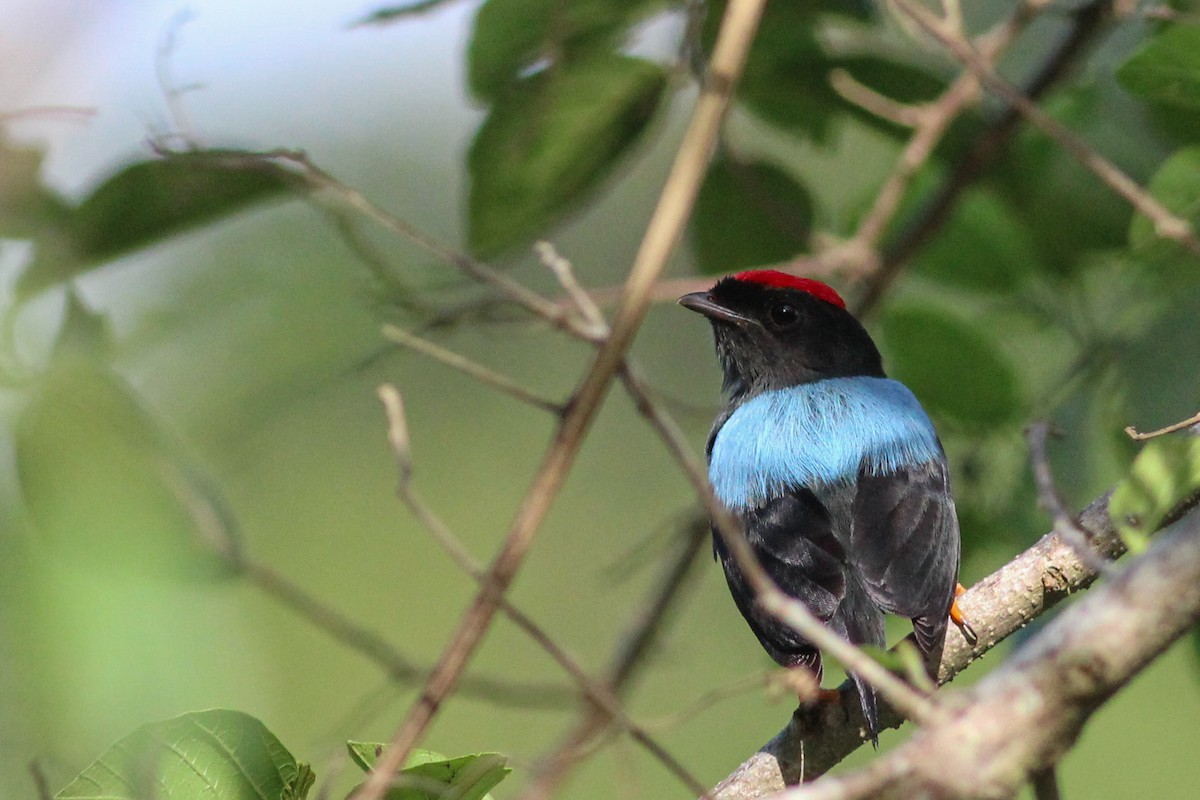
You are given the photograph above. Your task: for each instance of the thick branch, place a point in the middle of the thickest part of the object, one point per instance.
(1023, 717)
(997, 607)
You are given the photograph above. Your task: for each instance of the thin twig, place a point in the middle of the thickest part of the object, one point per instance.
(323, 183)
(1066, 525)
(1174, 427)
(398, 668)
(1167, 225)
(663, 233)
(866, 98)
(486, 376)
(576, 294)
(601, 694)
(1086, 23)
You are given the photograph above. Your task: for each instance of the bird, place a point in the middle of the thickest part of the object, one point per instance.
(832, 469)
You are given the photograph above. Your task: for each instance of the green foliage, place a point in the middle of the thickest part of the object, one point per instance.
(549, 140)
(748, 213)
(1177, 186)
(982, 247)
(142, 204)
(217, 754)
(1167, 69)
(1163, 475)
(955, 369)
(432, 776)
(511, 37)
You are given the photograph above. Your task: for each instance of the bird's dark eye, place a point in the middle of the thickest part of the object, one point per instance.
(784, 315)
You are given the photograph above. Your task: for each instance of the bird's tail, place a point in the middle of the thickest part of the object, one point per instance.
(870, 707)
(860, 620)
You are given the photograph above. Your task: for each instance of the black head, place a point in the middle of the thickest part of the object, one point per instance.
(774, 330)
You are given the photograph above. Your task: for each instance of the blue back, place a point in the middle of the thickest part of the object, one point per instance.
(818, 433)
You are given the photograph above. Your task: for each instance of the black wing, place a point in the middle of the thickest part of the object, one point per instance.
(791, 537)
(905, 544)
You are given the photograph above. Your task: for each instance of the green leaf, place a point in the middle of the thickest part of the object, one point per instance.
(748, 213)
(1165, 473)
(107, 487)
(955, 370)
(900, 81)
(435, 777)
(217, 754)
(550, 140)
(510, 37)
(149, 201)
(1001, 253)
(1176, 185)
(1167, 69)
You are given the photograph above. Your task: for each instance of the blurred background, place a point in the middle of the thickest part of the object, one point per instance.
(243, 353)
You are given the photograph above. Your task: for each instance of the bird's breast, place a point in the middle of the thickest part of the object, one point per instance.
(815, 435)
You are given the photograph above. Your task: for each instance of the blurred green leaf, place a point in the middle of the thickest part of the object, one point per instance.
(218, 754)
(1177, 186)
(550, 140)
(1001, 254)
(435, 777)
(1165, 473)
(1167, 69)
(954, 368)
(748, 213)
(149, 201)
(106, 486)
(510, 37)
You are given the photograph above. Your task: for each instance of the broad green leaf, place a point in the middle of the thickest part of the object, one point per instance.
(216, 755)
(550, 140)
(952, 366)
(1165, 473)
(982, 246)
(510, 37)
(149, 201)
(1177, 186)
(1167, 69)
(786, 76)
(748, 213)
(432, 776)
(107, 487)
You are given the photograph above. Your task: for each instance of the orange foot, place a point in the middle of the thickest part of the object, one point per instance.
(957, 617)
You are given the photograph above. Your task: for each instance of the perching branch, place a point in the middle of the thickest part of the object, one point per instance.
(1024, 716)
(998, 606)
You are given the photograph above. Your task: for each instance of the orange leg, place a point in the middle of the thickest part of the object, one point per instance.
(959, 619)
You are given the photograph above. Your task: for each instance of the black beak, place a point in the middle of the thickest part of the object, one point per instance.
(702, 303)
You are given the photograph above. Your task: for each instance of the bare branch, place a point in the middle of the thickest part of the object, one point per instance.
(998, 606)
(1065, 524)
(1166, 224)
(1174, 427)
(486, 376)
(1026, 714)
(663, 233)
(601, 694)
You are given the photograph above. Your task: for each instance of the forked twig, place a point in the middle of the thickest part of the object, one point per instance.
(601, 694)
